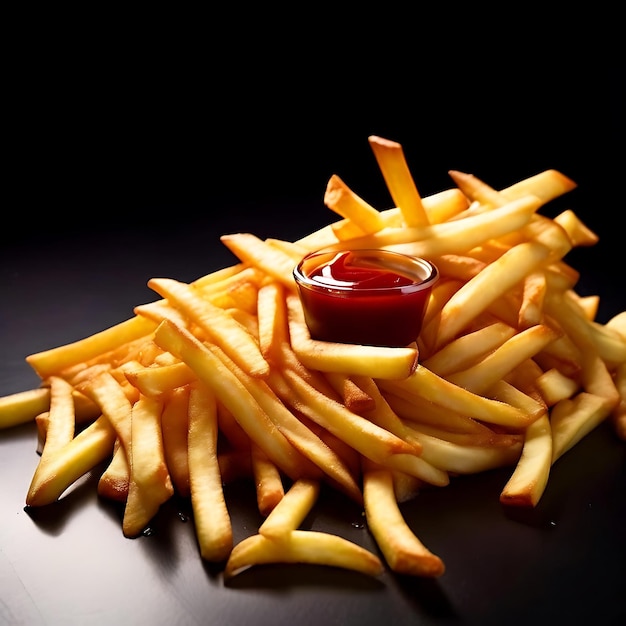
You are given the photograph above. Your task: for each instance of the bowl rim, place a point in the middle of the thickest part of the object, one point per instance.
(432, 272)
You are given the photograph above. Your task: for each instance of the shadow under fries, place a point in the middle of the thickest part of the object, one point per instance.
(53, 517)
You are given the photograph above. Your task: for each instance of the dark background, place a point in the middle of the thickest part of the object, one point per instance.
(129, 121)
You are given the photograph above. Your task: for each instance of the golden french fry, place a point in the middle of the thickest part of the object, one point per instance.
(175, 432)
(395, 170)
(546, 185)
(90, 447)
(61, 419)
(403, 551)
(343, 201)
(302, 546)
(271, 260)
(155, 380)
(211, 516)
(272, 320)
(292, 509)
(530, 477)
(573, 418)
(23, 406)
(555, 386)
(150, 483)
(458, 266)
(109, 395)
(55, 360)
(578, 232)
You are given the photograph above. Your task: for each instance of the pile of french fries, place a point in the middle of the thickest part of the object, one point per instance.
(219, 379)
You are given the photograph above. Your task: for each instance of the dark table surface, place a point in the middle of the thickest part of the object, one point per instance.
(140, 191)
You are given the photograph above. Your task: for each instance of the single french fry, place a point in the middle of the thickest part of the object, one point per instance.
(402, 549)
(155, 380)
(272, 320)
(175, 431)
(343, 201)
(90, 447)
(578, 232)
(292, 509)
(61, 418)
(395, 170)
(211, 516)
(547, 185)
(573, 418)
(555, 386)
(23, 406)
(530, 476)
(55, 360)
(272, 261)
(302, 546)
(458, 266)
(150, 483)
(109, 395)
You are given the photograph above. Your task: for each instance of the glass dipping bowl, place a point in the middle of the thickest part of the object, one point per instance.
(371, 296)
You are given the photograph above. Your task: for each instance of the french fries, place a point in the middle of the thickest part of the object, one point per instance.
(220, 379)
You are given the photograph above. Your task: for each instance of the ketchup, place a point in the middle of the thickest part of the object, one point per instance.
(374, 297)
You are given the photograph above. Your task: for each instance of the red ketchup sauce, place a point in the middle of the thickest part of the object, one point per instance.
(372, 297)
